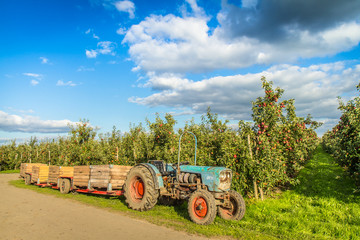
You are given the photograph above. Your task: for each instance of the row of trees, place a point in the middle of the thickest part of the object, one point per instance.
(343, 141)
(264, 153)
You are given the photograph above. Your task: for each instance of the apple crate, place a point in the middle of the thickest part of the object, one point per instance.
(81, 176)
(40, 174)
(27, 168)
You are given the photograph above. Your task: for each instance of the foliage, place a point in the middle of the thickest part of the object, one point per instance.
(269, 151)
(343, 141)
(321, 207)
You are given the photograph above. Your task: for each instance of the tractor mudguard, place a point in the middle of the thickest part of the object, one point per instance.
(157, 177)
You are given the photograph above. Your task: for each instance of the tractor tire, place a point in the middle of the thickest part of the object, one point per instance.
(202, 207)
(27, 179)
(64, 186)
(139, 189)
(237, 209)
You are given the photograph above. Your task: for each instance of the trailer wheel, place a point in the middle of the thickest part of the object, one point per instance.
(237, 209)
(202, 207)
(27, 179)
(139, 189)
(64, 186)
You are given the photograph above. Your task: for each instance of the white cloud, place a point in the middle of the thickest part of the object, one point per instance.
(34, 82)
(37, 77)
(44, 60)
(91, 31)
(91, 53)
(104, 47)
(61, 83)
(126, 6)
(187, 44)
(195, 9)
(121, 31)
(314, 88)
(34, 75)
(30, 124)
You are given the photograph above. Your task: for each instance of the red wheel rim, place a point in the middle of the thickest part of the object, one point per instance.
(200, 207)
(137, 189)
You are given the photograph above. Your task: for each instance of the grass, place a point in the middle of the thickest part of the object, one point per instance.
(323, 206)
(10, 171)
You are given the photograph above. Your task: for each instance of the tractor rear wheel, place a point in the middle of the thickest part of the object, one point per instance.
(27, 179)
(64, 186)
(202, 207)
(139, 189)
(237, 207)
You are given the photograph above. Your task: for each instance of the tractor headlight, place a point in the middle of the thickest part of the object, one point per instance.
(225, 180)
(229, 176)
(223, 176)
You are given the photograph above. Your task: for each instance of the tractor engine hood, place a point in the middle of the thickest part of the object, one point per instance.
(217, 179)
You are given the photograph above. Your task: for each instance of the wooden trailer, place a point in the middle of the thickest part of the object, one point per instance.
(26, 171)
(81, 176)
(54, 173)
(97, 179)
(27, 168)
(40, 174)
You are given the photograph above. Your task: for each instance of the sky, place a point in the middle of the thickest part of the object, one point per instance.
(117, 63)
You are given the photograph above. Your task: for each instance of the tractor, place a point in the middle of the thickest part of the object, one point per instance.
(207, 189)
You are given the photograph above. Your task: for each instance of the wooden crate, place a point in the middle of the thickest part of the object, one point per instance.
(54, 172)
(27, 168)
(99, 176)
(66, 171)
(118, 175)
(40, 174)
(81, 176)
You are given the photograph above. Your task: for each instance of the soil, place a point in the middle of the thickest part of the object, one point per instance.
(28, 215)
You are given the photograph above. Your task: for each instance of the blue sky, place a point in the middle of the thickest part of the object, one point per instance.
(119, 62)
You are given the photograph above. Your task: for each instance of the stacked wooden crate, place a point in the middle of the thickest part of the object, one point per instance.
(110, 177)
(81, 176)
(54, 172)
(66, 171)
(27, 168)
(40, 174)
(118, 175)
(99, 176)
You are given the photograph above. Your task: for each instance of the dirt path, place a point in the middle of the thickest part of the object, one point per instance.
(27, 215)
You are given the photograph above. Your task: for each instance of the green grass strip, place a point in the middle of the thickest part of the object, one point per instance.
(10, 171)
(323, 206)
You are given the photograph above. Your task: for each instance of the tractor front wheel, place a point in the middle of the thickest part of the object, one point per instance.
(139, 189)
(202, 207)
(237, 207)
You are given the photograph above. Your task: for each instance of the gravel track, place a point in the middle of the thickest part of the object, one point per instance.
(28, 215)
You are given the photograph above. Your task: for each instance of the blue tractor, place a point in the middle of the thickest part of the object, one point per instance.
(207, 189)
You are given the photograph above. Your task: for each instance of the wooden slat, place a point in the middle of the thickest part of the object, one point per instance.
(54, 172)
(40, 173)
(66, 171)
(81, 176)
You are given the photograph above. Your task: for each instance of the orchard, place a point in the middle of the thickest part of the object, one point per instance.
(264, 153)
(343, 141)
